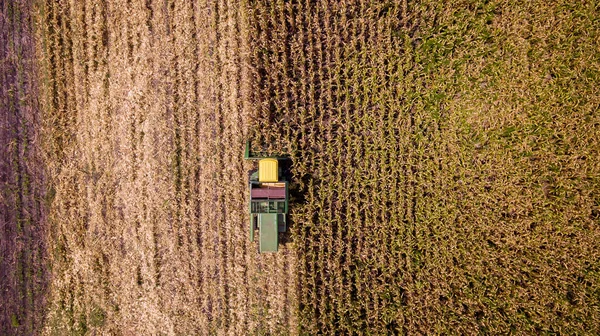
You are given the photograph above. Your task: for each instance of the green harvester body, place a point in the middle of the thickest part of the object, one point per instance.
(269, 199)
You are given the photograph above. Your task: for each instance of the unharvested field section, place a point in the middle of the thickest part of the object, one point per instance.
(446, 155)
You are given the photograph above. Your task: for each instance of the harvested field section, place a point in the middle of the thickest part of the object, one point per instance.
(145, 141)
(447, 162)
(22, 216)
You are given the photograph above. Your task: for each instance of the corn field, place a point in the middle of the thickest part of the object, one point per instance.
(446, 160)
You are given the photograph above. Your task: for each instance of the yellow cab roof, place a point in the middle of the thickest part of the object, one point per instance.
(268, 170)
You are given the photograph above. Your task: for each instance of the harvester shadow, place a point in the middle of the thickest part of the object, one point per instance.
(296, 196)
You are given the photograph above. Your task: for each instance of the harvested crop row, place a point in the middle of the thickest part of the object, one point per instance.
(145, 141)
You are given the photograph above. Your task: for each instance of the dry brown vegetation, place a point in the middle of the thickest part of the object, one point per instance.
(145, 130)
(445, 166)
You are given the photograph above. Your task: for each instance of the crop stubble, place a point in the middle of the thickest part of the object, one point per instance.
(149, 219)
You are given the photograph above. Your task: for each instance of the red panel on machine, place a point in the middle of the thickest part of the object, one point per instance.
(268, 193)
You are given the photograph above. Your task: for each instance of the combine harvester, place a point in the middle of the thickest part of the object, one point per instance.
(268, 201)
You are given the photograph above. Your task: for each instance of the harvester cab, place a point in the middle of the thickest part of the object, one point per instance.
(268, 200)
